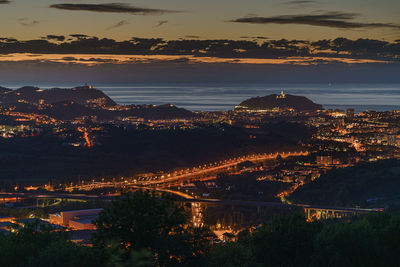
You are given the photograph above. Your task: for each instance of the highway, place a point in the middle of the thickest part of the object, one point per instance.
(202, 172)
(222, 165)
(195, 174)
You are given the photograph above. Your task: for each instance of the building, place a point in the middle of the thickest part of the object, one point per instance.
(281, 96)
(229, 237)
(340, 124)
(324, 160)
(76, 219)
(350, 113)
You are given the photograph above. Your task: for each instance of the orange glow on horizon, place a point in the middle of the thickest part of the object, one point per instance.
(96, 59)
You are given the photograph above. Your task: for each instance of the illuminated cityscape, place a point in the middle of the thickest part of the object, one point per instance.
(199, 133)
(225, 193)
(335, 139)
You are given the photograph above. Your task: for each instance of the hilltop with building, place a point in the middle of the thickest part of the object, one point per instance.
(33, 95)
(78, 102)
(281, 102)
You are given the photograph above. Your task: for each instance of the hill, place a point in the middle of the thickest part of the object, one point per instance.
(71, 110)
(82, 95)
(281, 102)
(366, 185)
(4, 90)
(68, 104)
(127, 151)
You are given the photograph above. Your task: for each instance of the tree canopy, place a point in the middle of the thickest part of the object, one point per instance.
(147, 221)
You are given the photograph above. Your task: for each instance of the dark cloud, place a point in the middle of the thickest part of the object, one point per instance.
(9, 40)
(160, 23)
(118, 24)
(59, 38)
(5, 2)
(111, 8)
(299, 2)
(69, 58)
(254, 37)
(90, 60)
(329, 19)
(28, 22)
(248, 47)
(79, 36)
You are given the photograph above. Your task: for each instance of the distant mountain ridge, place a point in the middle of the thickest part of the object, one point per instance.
(281, 102)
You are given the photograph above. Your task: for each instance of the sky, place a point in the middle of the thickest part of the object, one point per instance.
(207, 19)
(356, 40)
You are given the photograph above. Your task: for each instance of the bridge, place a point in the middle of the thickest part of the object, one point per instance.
(322, 213)
(312, 212)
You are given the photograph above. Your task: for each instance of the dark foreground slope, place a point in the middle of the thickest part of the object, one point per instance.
(366, 184)
(122, 152)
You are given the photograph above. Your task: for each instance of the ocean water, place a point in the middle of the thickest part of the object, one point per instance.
(212, 97)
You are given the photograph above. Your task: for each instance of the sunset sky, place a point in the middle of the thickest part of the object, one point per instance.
(41, 33)
(208, 19)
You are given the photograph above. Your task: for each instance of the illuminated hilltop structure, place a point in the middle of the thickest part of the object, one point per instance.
(281, 96)
(281, 102)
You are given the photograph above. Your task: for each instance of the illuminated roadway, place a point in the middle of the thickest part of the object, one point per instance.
(226, 164)
(197, 173)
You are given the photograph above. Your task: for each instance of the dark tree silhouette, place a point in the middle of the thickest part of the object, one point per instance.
(144, 220)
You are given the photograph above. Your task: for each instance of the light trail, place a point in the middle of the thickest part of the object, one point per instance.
(201, 173)
(86, 137)
(225, 165)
